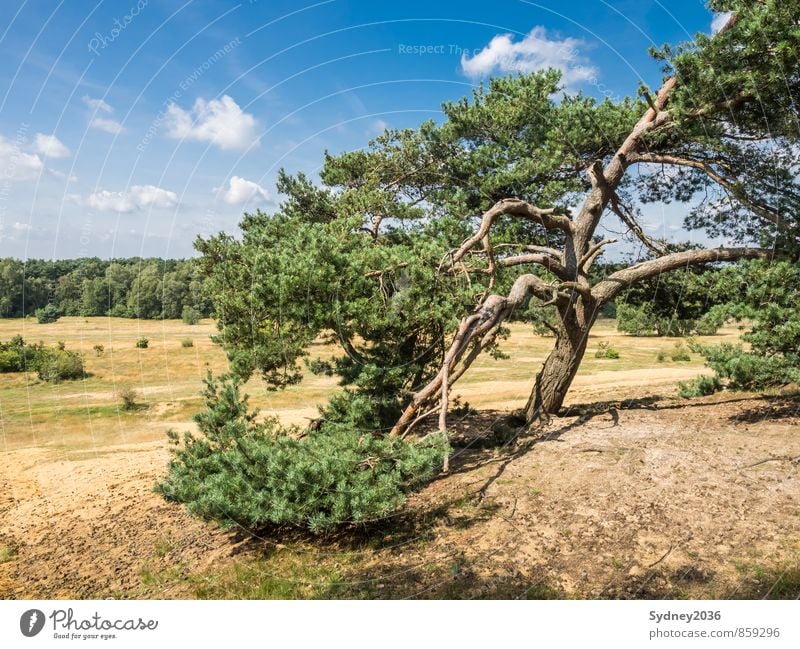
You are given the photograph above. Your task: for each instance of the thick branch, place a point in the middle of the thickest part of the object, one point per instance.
(547, 218)
(622, 279)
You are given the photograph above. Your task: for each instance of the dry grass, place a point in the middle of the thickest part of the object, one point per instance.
(167, 377)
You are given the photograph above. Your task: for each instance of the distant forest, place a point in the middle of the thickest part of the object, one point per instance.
(127, 288)
(153, 288)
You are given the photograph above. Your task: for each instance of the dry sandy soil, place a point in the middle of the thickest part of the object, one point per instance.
(651, 498)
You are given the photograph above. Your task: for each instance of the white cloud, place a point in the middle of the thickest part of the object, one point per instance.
(719, 21)
(244, 191)
(138, 197)
(534, 52)
(15, 164)
(97, 104)
(50, 146)
(150, 195)
(220, 121)
(107, 125)
(102, 123)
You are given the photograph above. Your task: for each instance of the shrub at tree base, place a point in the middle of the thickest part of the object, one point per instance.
(255, 473)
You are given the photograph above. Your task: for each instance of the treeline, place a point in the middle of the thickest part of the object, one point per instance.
(147, 288)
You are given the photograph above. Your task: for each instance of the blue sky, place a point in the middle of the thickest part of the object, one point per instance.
(129, 127)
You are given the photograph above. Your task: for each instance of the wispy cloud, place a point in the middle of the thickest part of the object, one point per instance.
(534, 52)
(106, 124)
(97, 104)
(219, 121)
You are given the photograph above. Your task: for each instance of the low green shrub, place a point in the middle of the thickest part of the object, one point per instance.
(680, 353)
(190, 315)
(250, 472)
(56, 365)
(187, 342)
(748, 371)
(47, 314)
(606, 350)
(99, 350)
(699, 386)
(142, 343)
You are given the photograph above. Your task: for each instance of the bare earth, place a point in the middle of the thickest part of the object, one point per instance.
(657, 498)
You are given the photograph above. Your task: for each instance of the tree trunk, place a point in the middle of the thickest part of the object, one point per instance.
(559, 369)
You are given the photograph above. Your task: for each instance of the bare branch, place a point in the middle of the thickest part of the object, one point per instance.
(621, 210)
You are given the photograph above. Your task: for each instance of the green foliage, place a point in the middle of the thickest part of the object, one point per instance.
(699, 386)
(52, 364)
(56, 365)
(190, 315)
(142, 343)
(144, 288)
(11, 361)
(680, 353)
(743, 85)
(767, 296)
(672, 304)
(606, 350)
(47, 314)
(187, 342)
(242, 470)
(744, 370)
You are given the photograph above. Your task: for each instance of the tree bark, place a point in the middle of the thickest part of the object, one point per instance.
(559, 369)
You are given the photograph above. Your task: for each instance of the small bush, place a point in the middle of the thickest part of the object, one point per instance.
(748, 371)
(253, 473)
(142, 343)
(48, 314)
(187, 342)
(56, 365)
(661, 356)
(605, 350)
(128, 396)
(699, 386)
(190, 315)
(680, 354)
(99, 350)
(11, 361)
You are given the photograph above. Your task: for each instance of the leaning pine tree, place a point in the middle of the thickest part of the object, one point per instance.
(413, 254)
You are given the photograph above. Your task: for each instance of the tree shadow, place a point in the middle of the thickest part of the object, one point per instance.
(776, 408)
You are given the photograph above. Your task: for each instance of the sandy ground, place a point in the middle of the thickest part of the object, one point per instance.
(658, 498)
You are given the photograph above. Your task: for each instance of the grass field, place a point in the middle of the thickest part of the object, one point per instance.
(87, 414)
(647, 496)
